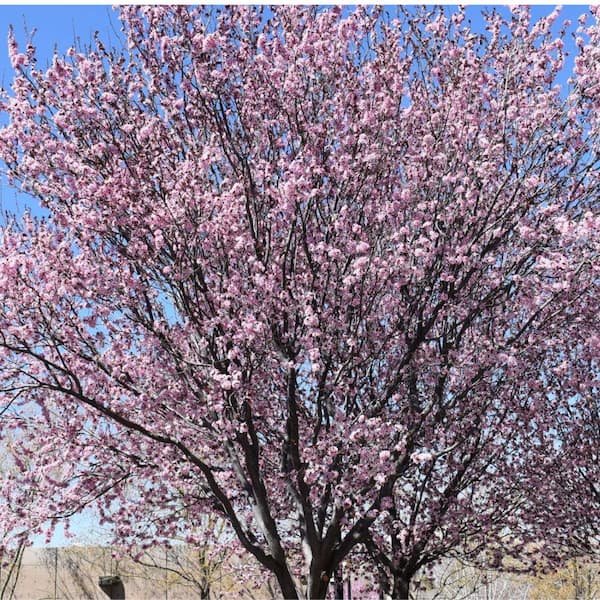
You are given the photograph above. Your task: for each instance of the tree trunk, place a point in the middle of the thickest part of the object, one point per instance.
(205, 592)
(286, 584)
(318, 583)
(401, 589)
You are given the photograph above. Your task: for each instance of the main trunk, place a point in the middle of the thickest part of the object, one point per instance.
(401, 588)
(317, 590)
(318, 582)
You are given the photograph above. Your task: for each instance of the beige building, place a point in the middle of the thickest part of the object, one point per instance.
(78, 573)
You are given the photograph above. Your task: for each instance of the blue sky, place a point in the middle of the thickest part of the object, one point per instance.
(60, 25)
(55, 27)
(67, 25)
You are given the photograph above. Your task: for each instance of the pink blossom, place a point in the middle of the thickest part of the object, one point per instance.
(421, 457)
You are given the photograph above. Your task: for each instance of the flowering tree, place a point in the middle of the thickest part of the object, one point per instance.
(543, 363)
(573, 496)
(306, 270)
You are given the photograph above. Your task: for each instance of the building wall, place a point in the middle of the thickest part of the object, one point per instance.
(175, 574)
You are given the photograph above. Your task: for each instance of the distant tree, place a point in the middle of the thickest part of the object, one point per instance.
(578, 579)
(572, 496)
(307, 269)
(14, 529)
(11, 560)
(205, 569)
(456, 580)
